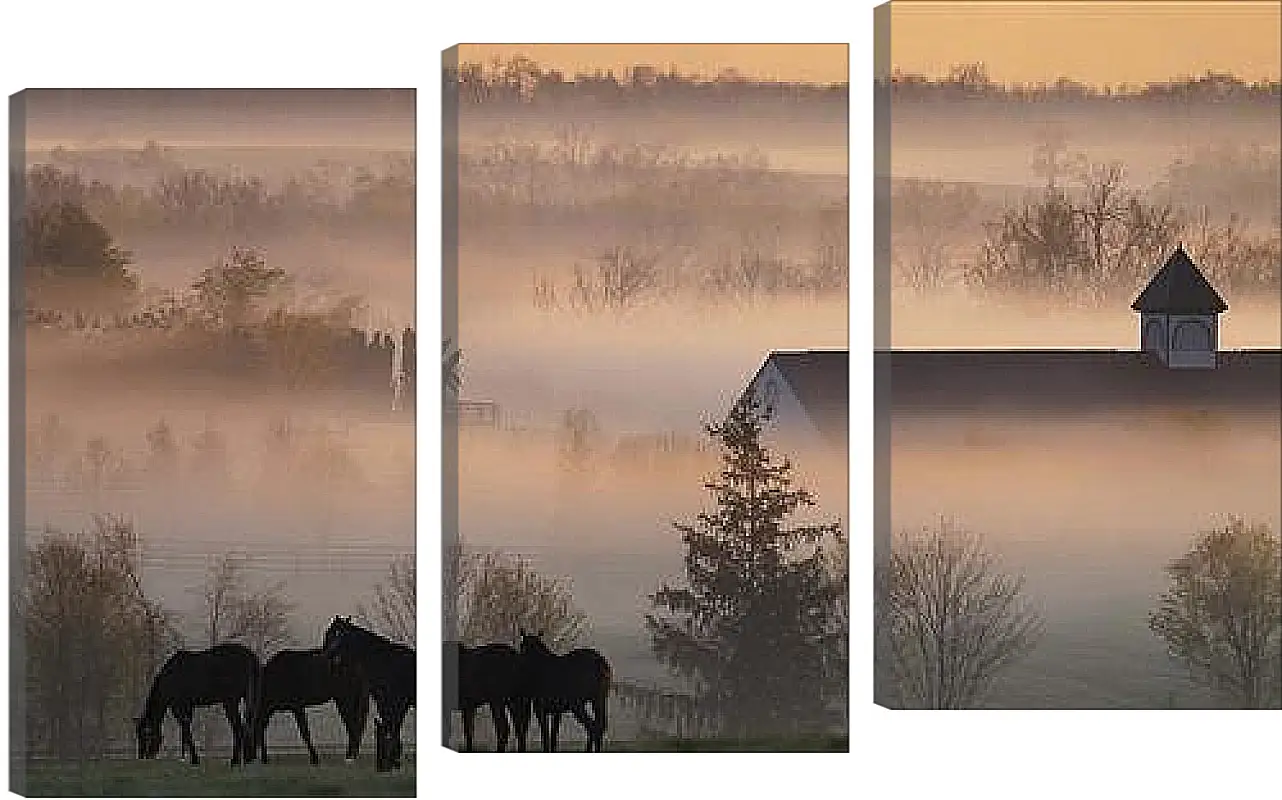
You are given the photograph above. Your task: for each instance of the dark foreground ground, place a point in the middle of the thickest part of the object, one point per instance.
(287, 776)
(817, 744)
(291, 775)
(829, 744)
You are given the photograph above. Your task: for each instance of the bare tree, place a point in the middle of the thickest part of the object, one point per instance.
(624, 275)
(1231, 258)
(926, 214)
(93, 639)
(1123, 236)
(235, 611)
(1100, 238)
(1221, 616)
(1034, 247)
(48, 440)
(393, 609)
(949, 619)
(162, 449)
(578, 438)
(500, 594)
(1052, 158)
(101, 465)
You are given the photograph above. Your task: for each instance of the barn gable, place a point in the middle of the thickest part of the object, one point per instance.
(808, 392)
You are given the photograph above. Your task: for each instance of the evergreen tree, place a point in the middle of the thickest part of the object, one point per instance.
(758, 627)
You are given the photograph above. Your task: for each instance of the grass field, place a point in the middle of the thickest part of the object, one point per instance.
(828, 744)
(291, 775)
(286, 776)
(817, 744)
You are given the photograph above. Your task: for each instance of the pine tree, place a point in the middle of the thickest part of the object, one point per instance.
(758, 627)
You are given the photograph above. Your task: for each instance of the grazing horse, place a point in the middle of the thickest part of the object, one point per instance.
(557, 684)
(488, 675)
(225, 673)
(295, 679)
(388, 668)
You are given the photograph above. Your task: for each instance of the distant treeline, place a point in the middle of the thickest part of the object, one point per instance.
(171, 197)
(298, 349)
(972, 82)
(59, 458)
(624, 277)
(523, 80)
(576, 180)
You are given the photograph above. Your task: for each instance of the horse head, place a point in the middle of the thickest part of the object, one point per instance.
(533, 644)
(338, 627)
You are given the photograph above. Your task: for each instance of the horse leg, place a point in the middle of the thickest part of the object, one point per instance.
(388, 738)
(250, 727)
(519, 709)
(184, 725)
(498, 712)
(345, 713)
(599, 719)
(357, 732)
(554, 726)
(353, 714)
(468, 722)
(580, 711)
(260, 733)
(380, 744)
(300, 718)
(232, 710)
(398, 721)
(545, 735)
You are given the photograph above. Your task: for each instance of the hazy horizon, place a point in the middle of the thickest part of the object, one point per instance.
(1100, 43)
(810, 63)
(220, 118)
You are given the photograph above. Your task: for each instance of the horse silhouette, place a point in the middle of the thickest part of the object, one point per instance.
(226, 673)
(296, 679)
(560, 683)
(488, 675)
(387, 667)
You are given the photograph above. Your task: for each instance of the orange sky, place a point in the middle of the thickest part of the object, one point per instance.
(1095, 42)
(814, 63)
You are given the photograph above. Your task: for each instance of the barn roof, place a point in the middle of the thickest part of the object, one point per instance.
(1179, 287)
(820, 380)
